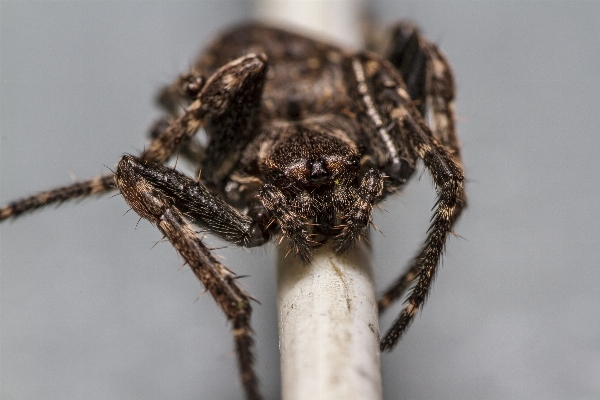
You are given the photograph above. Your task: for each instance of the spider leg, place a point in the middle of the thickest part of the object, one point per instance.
(159, 207)
(429, 81)
(172, 99)
(167, 100)
(194, 200)
(224, 90)
(229, 100)
(380, 80)
(98, 185)
(408, 54)
(448, 177)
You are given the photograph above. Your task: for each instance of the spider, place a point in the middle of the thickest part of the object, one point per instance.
(304, 139)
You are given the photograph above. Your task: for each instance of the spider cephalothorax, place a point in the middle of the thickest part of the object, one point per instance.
(304, 139)
(311, 170)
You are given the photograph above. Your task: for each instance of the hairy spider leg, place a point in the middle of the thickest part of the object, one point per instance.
(227, 105)
(208, 104)
(95, 186)
(196, 202)
(156, 206)
(228, 102)
(408, 55)
(230, 96)
(173, 99)
(408, 130)
(430, 83)
(448, 178)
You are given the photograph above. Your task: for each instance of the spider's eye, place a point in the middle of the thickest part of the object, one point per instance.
(193, 87)
(354, 162)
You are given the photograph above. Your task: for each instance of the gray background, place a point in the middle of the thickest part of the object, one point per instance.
(90, 311)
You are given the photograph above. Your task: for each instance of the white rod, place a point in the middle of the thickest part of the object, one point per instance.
(328, 327)
(335, 20)
(328, 321)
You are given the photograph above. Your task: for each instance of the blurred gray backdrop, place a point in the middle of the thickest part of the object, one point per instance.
(90, 310)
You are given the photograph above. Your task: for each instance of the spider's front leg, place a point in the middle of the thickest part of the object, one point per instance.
(448, 178)
(193, 199)
(406, 128)
(227, 106)
(162, 195)
(430, 84)
(234, 88)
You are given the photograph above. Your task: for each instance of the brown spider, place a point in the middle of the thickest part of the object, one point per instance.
(304, 139)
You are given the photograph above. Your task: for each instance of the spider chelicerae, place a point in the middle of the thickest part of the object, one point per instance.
(304, 138)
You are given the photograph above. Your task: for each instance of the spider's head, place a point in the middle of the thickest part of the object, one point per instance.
(311, 173)
(310, 156)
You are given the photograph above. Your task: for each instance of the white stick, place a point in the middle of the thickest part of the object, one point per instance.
(336, 20)
(328, 327)
(328, 322)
